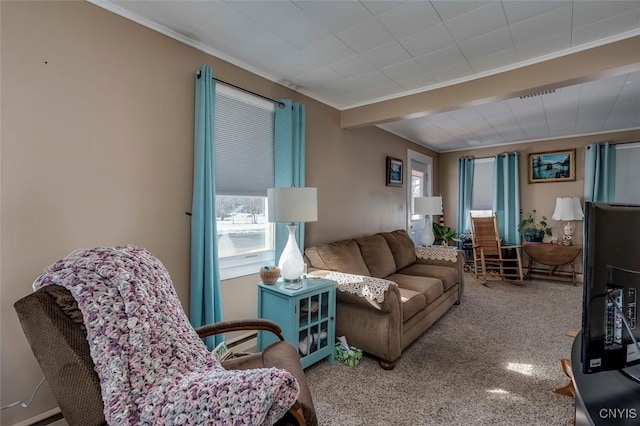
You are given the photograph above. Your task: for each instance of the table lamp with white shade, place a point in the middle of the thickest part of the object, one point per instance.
(292, 205)
(427, 206)
(568, 209)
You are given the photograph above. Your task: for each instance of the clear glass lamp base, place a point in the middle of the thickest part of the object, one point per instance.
(291, 263)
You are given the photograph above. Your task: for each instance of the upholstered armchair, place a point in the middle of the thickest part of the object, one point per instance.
(54, 327)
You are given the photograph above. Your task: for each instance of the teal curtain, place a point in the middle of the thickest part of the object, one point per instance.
(205, 303)
(289, 160)
(600, 172)
(465, 186)
(506, 197)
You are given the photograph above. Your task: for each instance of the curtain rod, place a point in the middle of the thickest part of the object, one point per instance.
(280, 104)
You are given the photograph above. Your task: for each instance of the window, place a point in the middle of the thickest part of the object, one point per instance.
(627, 173)
(244, 151)
(482, 190)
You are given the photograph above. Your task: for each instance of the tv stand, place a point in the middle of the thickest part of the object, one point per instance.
(605, 398)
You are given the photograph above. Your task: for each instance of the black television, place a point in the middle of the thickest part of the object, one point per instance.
(611, 287)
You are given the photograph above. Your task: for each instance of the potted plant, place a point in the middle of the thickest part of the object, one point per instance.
(532, 230)
(443, 233)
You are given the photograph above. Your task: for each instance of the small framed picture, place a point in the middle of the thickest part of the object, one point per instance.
(552, 166)
(394, 171)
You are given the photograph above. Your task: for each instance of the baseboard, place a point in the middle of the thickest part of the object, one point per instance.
(42, 418)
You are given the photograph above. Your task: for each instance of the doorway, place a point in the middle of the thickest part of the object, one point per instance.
(420, 184)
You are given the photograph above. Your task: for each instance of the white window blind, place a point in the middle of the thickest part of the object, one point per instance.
(628, 173)
(244, 143)
(482, 190)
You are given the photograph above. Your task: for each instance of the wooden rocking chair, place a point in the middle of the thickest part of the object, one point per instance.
(488, 253)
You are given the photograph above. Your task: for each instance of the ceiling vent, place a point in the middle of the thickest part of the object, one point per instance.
(534, 94)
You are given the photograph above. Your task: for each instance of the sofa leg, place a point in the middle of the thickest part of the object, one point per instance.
(457, 302)
(386, 365)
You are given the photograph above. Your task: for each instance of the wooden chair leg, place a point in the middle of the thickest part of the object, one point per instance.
(567, 389)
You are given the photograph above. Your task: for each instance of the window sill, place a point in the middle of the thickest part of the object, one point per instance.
(243, 265)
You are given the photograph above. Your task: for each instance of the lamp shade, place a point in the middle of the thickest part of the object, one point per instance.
(292, 204)
(427, 205)
(568, 209)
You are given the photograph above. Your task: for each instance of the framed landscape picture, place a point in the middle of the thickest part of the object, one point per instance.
(394, 171)
(552, 166)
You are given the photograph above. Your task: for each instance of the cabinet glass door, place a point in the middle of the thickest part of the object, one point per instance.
(313, 323)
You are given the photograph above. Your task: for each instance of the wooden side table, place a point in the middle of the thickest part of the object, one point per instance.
(551, 255)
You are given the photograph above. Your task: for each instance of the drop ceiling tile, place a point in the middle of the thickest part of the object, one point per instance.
(478, 21)
(514, 135)
(380, 90)
(448, 9)
(377, 7)
(329, 51)
(426, 41)
(499, 115)
(403, 70)
(472, 120)
(529, 112)
(387, 54)
(541, 26)
(175, 16)
(488, 43)
(318, 78)
(536, 132)
(337, 16)
(365, 36)
(517, 11)
(544, 46)
(269, 46)
(588, 12)
(233, 25)
(452, 72)
(302, 31)
(494, 60)
(418, 81)
(352, 66)
(269, 14)
(606, 27)
(564, 98)
(409, 18)
(363, 81)
(443, 58)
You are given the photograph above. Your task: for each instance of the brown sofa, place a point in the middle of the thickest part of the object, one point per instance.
(424, 290)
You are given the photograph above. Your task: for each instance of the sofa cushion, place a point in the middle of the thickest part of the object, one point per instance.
(402, 247)
(447, 274)
(432, 288)
(377, 255)
(412, 302)
(343, 256)
(314, 259)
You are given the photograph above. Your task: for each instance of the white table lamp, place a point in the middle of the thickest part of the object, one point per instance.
(291, 205)
(427, 206)
(568, 209)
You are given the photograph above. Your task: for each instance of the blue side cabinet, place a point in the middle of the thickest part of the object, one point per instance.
(306, 316)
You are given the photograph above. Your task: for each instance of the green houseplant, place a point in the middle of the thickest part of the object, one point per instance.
(443, 233)
(532, 230)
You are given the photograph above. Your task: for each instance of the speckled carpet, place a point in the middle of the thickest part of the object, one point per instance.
(492, 360)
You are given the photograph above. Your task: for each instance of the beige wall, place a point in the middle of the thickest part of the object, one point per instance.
(97, 133)
(539, 196)
(348, 167)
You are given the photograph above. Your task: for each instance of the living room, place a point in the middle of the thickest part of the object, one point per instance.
(97, 150)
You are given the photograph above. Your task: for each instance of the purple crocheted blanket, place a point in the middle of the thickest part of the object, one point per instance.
(153, 367)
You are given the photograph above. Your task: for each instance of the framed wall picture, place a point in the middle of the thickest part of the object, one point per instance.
(395, 171)
(552, 166)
